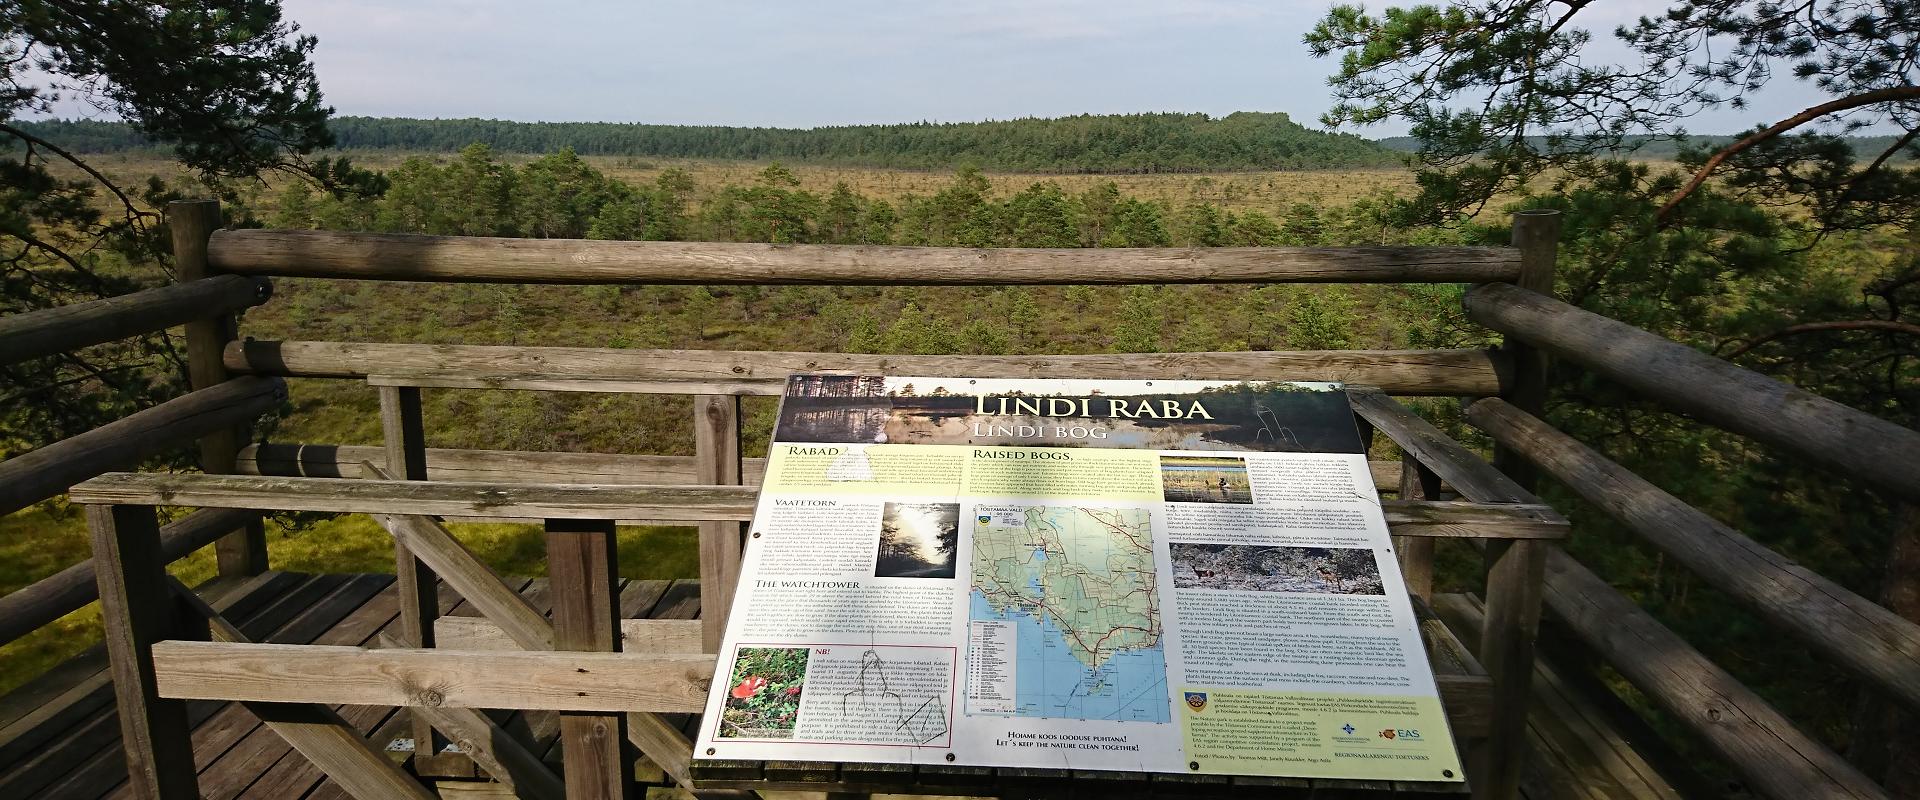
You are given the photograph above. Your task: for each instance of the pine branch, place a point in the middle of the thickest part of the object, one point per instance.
(1889, 325)
(1888, 95)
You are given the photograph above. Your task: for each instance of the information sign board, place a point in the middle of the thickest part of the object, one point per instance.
(1161, 576)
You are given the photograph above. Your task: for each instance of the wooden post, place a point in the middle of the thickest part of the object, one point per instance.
(1536, 234)
(404, 430)
(137, 608)
(1416, 552)
(1515, 569)
(191, 222)
(585, 588)
(716, 443)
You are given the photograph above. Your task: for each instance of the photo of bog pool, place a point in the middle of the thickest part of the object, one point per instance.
(1077, 585)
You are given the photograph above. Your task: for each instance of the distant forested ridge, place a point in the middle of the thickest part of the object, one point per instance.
(1666, 149)
(1118, 143)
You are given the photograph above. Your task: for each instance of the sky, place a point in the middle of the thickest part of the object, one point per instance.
(833, 62)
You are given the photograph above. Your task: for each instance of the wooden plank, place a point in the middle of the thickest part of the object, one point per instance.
(1449, 373)
(636, 635)
(50, 598)
(1859, 634)
(764, 388)
(1578, 751)
(1770, 754)
(447, 557)
(585, 681)
(1450, 461)
(414, 257)
(486, 466)
(1745, 402)
(576, 501)
(64, 329)
(1514, 569)
(1415, 553)
(261, 742)
(436, 498)
(191, 223)
(1536, 235)
(137, 611)
(232, 748)
(122, 444)
(294, 775)
(584, 579)
(70, 733)
(716, 444)
(403, 430)
(495, 750)
(525, 466)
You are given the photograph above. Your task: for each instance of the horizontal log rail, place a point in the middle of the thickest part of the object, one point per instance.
(473, 259)
(1716, 392)
(1871, 641)
(1770, 754)
(124, 443)
(1443, 519)
(66, 591)
(648, 635)
(551, 680)
(1451, 373)
(533, 466)
(68, 328)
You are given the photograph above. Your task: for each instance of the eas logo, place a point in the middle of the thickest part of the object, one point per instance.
(1400, 733)
(1387, 734)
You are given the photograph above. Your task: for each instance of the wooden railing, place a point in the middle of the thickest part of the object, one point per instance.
(404, 482)
(216, 409)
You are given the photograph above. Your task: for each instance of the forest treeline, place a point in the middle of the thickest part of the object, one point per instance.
(1106, 143)
(561, 196)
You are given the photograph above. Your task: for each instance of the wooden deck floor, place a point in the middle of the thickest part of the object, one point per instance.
(60, 737)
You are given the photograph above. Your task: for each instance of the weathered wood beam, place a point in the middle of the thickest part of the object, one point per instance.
(636, 635)
(190, 223)
(716, 445)
(424, 539)
(404, 435)
(585, 586)
(554, 681)
(412, 257)
(1451, 373)
(505, 758)
(1536, 235)
(125, 442)
(50, 598)
(1774, 758)
(1716, 392)
(527, 466)
(435, 498)
(68, 328)
(1462, 469)
(1512, 620)
(137, 612)
(316, 730)
(1447, 519)
(1870, 641)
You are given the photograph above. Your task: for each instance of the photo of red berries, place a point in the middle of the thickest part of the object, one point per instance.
(763, 693)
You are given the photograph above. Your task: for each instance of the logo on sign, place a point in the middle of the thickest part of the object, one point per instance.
(1197, 701)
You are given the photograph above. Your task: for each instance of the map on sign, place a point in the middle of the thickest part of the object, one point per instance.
(1077, 585)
